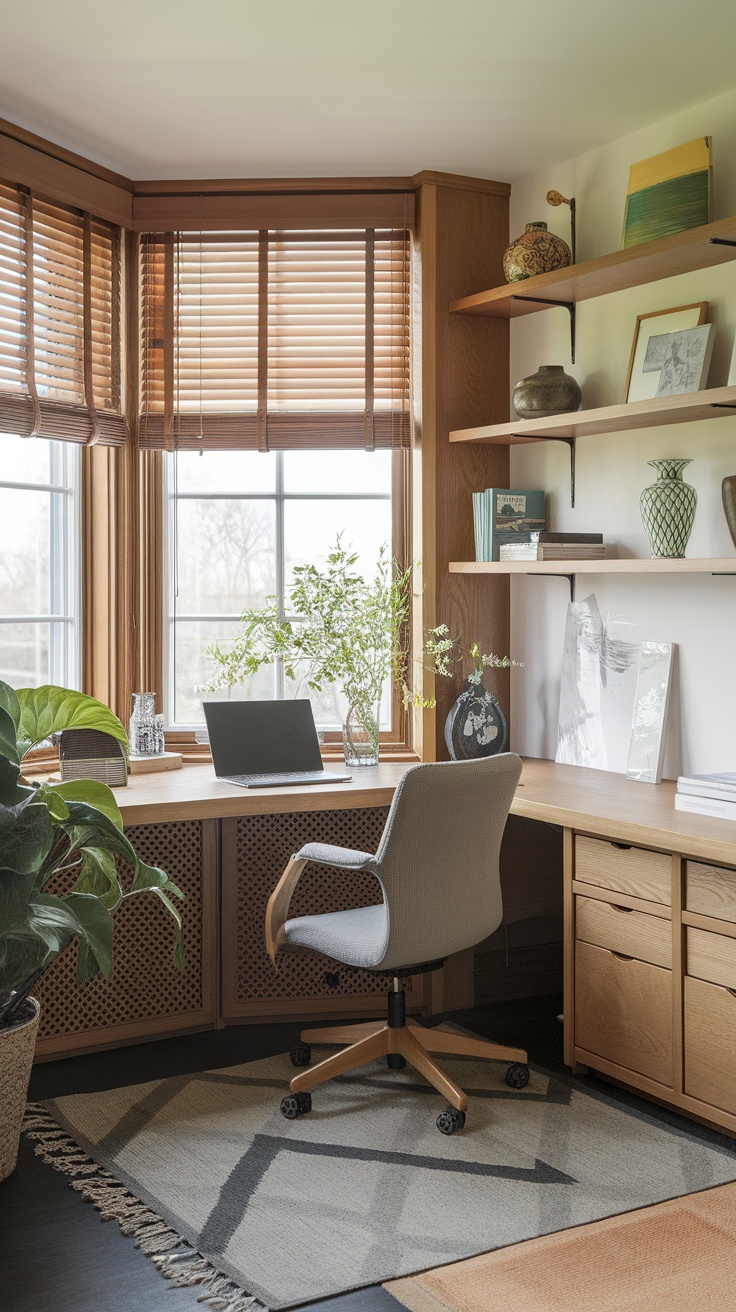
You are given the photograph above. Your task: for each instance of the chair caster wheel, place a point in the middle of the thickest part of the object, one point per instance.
(296, 1104)
(301, 1054)
(517, 1076)
(395, 1061)
(450, 1121)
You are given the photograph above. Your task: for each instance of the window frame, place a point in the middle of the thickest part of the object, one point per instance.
(398, 736)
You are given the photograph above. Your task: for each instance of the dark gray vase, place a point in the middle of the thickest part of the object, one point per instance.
(728, 492)
(476, 725)
(550, 391)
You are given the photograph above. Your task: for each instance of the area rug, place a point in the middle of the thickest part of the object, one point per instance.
(219, 1189)
(678, 1256)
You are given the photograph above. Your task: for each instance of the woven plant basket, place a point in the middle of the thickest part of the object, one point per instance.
(17, 1045)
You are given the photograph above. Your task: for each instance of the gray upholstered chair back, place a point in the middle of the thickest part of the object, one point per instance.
(438, 859)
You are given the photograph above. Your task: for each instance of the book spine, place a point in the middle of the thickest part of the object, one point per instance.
(705, 806)
(720, 791)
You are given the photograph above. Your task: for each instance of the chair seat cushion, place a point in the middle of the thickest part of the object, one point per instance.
(356, 938)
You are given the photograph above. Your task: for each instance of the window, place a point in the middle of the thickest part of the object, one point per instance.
(39, 562)
(238, 521)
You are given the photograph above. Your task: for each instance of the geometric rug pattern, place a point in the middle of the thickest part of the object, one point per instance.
(364, 1189)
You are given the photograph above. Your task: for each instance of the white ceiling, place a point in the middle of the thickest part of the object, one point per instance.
(289, 88)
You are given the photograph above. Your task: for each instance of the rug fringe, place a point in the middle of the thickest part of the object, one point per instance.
(170, 1252)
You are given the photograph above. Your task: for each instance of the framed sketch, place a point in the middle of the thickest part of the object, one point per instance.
(732, 369)
(650, 712)
(642, 385)
(680, 359)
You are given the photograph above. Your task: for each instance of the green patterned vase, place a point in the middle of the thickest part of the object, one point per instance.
(668, 509)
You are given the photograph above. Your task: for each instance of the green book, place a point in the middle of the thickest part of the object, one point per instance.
(512, 515)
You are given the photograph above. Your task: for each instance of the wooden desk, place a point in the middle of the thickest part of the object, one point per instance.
(226, 847)
(650, 923)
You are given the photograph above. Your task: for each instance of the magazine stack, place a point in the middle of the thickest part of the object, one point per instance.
(707, 794)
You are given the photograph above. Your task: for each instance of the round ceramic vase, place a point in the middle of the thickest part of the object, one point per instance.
(550, 391)
(728, 492)
(535, 251)
(668, 509)
(476, 725)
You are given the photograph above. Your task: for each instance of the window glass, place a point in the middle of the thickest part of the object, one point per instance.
(39, 562)
(238, 523)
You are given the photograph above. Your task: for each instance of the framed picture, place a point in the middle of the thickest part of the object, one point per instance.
(641, 384)
(650, 712)
(669, 193)
(681, 360)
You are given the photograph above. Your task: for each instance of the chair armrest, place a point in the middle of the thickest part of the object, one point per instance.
(277, 911)
(346, 858)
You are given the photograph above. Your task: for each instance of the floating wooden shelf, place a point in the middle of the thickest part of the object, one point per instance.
(608, 419)
(626, 565)
(682, 252)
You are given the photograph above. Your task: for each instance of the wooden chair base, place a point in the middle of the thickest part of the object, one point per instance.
(370, 1040)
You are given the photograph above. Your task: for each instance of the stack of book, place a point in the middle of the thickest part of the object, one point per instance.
(707, 794)
(504, 515)
(557, 546)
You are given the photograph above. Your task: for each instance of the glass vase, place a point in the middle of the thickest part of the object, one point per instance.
(142, 730)
(360, 736)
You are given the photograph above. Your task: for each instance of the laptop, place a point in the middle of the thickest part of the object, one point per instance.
(264, 744)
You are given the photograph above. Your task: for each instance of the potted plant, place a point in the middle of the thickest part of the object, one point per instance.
(476, 725)
(351, 632)
(58, 878)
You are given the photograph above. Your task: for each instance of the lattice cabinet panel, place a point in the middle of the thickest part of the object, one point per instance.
(255, 850)
(145, 994)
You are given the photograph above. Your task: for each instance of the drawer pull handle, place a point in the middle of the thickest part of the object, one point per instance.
(616, 907)
(623, 847)
(620, 956)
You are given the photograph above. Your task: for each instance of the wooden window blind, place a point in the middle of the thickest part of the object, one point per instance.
(59, 322)
(275, 340)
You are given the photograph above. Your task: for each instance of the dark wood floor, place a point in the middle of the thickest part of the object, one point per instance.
(56, 1255)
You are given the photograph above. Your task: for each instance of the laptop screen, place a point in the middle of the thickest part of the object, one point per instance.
(262, 737)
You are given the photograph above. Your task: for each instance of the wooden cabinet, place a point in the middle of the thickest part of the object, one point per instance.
(651, 973)
(623, 1011)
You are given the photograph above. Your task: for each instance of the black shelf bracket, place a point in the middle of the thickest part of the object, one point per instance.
(723, 405)
(566, 305)
(569, 442)
(721, 241)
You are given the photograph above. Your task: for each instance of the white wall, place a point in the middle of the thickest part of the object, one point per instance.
(698, 612)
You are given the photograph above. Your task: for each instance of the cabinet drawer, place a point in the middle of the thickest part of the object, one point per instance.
(647, 938)
(632, 870)
(710, 1044)
(711, 957)
(710, 890)
(623, 1011)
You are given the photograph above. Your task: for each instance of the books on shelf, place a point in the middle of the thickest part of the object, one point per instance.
(707, 794)
(555, 551)
(502, 516)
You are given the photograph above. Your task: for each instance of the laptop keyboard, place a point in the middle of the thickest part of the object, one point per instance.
(290, 777)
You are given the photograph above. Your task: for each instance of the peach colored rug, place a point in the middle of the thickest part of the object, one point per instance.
(678, 1256)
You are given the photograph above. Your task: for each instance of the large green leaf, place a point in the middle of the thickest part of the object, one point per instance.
(49, 709)
(98, 875)
(179, 956)
(8, 738)
(16, 887)
(11, 792)
(93, 794)
(9, 814)
(53, 921)
(96, 927)
(9, 702)
(26, 845)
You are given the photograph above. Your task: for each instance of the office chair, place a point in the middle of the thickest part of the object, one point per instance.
(438, 867)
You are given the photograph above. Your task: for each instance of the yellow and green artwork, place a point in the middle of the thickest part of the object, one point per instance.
(668, 193)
